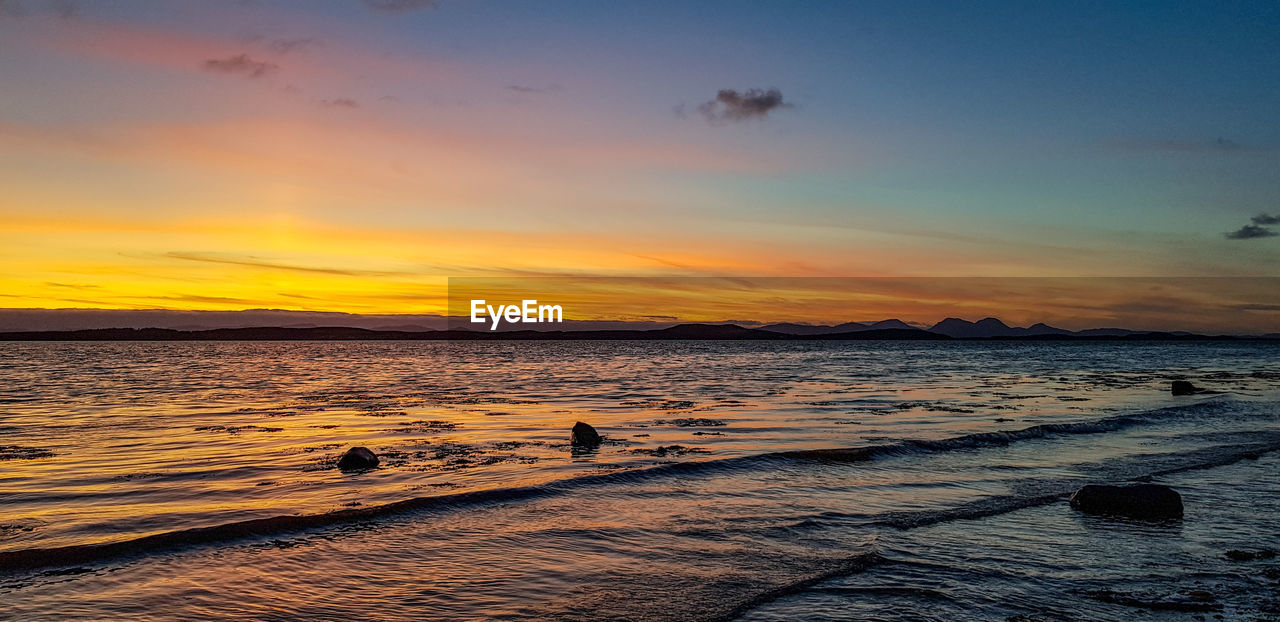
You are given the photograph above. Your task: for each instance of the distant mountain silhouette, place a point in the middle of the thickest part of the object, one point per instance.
(15, 320)
(1104, 332)
(891, 324)
(987, 328)
(956, 327)
(981, 330)
(789, 328)
(709, 331)
(1040, 328)
(342, 333)
(847, 327)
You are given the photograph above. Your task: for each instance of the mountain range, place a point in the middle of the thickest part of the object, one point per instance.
(217, 324)
(952, 327)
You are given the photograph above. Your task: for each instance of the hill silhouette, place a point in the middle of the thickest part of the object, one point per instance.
(983, 330)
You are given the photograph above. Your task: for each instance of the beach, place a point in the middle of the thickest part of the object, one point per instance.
(814, 480)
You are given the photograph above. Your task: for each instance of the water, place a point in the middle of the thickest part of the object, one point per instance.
(711, 499)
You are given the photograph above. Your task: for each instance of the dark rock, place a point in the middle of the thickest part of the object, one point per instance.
(584, 435)
(1182, 387)
(1237, 555)
(669, 450)
(358, 459)
(1179, 602)
(692, 423)
(1141, 501)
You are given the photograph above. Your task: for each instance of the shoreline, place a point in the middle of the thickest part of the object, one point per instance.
(16, 561)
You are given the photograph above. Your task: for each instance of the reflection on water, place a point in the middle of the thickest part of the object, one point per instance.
(108, 441)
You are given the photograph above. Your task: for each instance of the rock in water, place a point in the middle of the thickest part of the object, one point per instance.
(1237, 555)
(358, 458)
(1182, 387)
(584, 436)
(1142, 501)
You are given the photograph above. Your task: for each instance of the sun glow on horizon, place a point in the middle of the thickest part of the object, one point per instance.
(277, 155)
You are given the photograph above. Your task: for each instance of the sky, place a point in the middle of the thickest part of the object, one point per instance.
(352, 155)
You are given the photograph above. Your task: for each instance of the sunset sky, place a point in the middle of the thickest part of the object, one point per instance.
(352, 155)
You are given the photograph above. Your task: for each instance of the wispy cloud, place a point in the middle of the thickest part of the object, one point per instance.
(339, 102)
(72, 285)
(1188, 146)
(256, 262)
(241, 64)
(66, 9)
(400, 6)
(199, 298)
(731, 105)
(1266, 219)
(523, 88)
(285, 46)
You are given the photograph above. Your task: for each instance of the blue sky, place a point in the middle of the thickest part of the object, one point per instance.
(425, 139)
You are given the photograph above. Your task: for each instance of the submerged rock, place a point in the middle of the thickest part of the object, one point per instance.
(358, 458)
(1183, 387)
(1189, 601)
(1142, 501)
(1237, 555)
(584, 435)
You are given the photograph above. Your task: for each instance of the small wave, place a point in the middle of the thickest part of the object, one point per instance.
(1002, 438)
(1055, 491)
(26, 559)
(19, 452)
(848, 566)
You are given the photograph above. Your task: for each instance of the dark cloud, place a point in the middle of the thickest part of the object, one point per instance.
(1250, 232)
(1223, 144)
(1258, 228)
(1216, 145)
(66, 9)
(399, 6)
(285, 46)
(340, 102)
(731, 105)
(241, 64)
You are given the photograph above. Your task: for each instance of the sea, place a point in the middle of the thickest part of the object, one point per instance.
(737, 480)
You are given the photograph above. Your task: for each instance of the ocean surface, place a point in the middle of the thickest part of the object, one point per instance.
(738, 480)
